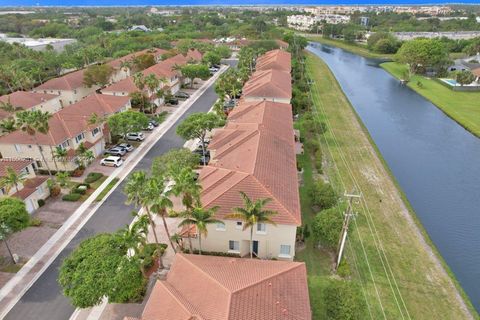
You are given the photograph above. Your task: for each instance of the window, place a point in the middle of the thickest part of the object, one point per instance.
(220, 226)
(261, 228)
(284, 250)
(80, 137)
(40, 190)
(239, 225)
(233, 246)
(64, 144)
(29, 146)
(95, 131)
(3, 191)
(18, 148)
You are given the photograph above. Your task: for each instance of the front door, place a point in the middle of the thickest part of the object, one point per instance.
(255, 247)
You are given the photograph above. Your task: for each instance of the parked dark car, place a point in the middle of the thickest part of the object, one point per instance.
(199, 151)
(229, 105)
(207, 160)
(153, 123)
(182, 95)
(172, 101)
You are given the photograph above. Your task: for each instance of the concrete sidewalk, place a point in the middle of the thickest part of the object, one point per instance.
(31, 271)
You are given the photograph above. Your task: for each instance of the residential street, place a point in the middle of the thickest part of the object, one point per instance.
(44, 300)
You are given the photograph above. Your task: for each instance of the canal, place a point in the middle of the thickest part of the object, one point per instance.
(435, 161)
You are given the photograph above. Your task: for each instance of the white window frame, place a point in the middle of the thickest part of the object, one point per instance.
(81, 135)
(220, 227)
(95, 131)
(18, 148)
(239, 227)
(233, 242)
(285, 255)
(261, 231)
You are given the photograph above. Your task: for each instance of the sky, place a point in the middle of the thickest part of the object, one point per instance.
(215, 2)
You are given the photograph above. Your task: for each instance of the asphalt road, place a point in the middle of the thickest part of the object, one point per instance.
(44, 299)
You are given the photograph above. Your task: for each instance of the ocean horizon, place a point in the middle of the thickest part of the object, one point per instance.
(124, 3)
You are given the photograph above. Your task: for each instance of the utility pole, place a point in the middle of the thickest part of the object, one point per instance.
(343, 235)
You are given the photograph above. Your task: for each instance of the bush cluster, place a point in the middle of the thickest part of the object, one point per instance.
(93, 176)
(71, 197)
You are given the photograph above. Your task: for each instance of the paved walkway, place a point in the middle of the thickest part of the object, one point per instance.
(34, 293)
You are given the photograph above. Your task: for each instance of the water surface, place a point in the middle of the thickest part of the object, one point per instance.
(435, 161)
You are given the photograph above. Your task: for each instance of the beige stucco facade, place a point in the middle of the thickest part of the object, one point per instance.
(68, 97)
(51, 106)
(95, 138)
(269, 241)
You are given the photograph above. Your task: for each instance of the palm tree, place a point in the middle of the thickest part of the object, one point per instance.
(139, 80)
(188, 187)
(5, 232)
(62, 155)
(160, 202)
(177, 238)
(151, 82)
(134, 236)
(252, 213)
(200, 218)
(33, 121)
(138, 195)
(12, 179)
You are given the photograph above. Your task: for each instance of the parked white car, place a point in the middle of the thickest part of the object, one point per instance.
(135, 136)
(112, 161)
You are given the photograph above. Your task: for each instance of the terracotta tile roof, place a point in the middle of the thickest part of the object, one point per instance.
(194, 54)
(156, 52)
(269, 83)
(17, 165)
(237, 289)
(70, 121)
(125, 85)
(275, 59)
(29, 187)
(254, 153)
(163, 69)
(26, 100)
(67, 82)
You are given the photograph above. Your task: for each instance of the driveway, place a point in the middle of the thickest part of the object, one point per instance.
(44, 299)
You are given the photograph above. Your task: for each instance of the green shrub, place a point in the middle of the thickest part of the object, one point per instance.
(71, 197)
(13, 213)
(344, 270)
(41, 202)
(79, 191)
(343, 300)
(35, 222)
(318, 161)
(312, 146)
(93, 176)
(214, 253)
(327, 225)
(322, 195)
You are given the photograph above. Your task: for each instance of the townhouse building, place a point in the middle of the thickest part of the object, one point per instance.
(207, 287)
(23, 100)
(32, 190)
(270, 85)
(122, 67)
(254, 153)
(68, 129)
(69, 88)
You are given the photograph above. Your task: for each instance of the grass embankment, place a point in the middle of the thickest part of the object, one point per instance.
(105, 190)
(359, 49)
(463, 107)
(398, 271)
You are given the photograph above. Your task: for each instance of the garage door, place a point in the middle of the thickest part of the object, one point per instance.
(98, 148)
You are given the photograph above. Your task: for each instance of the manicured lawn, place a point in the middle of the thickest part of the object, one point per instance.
(106, 189)
(387, 252)
(463, 107)
(351, 47)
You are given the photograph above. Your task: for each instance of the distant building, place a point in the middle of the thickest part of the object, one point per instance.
(139, 28)
(364, 21)
(302, 22)
(38, 44)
